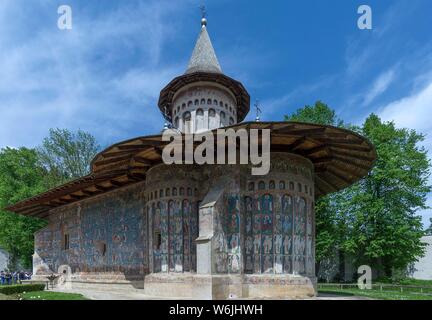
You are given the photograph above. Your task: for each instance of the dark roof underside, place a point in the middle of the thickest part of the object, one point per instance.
(340, 157)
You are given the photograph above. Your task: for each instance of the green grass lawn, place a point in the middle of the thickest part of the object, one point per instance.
(377, 294)
(50, 295)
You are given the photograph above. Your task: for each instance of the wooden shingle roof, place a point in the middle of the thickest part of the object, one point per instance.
(340, 158)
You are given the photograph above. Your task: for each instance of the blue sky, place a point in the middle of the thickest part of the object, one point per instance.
(104, 75)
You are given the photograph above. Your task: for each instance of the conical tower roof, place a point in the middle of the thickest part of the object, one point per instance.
(203, 56)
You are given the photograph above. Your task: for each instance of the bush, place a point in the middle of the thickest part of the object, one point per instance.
(20, 288)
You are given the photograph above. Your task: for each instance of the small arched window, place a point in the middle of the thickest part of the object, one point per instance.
(187, 122)
(174, 193)
(251, 186)
(183, 105)
(160, 193)
(189, 192)
(181, 191)
(222, 118)
(212, 119)
(199, 119)
(215, 102)
(261, 185)
(202, 101)
(167, 192)
(190, 103)
(208, 101)
(196, 102)
(271, 184)
(221, 104)
(281, 185)
(231, 121)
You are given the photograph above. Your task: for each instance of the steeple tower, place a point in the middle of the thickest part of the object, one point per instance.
(203, 56)
(203, 98)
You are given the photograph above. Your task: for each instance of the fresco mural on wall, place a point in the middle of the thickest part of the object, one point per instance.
(300, 236)
(112, 234)
(176, 224)
(233, 233)
(105, 234)
(278, 232)
(287, 230)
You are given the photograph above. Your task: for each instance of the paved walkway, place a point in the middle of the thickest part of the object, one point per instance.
(134, 295)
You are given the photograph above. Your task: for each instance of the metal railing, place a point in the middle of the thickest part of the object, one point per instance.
(379, 286)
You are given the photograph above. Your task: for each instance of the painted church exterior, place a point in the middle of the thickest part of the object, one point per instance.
(198, 231)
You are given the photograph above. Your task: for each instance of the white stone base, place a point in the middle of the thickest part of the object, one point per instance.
(220, 287)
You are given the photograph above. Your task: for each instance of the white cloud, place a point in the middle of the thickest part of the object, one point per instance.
(380, 85)
(81, 78)
(414, 111)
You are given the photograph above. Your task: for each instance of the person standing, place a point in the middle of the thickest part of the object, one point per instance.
(8, 277)
(15, 277)
(2, 276)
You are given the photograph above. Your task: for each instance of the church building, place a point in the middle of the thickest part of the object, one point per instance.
(211, 231)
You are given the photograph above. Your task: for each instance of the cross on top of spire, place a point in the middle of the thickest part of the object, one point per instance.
(203, 56)
(203, 15)
(258, 110)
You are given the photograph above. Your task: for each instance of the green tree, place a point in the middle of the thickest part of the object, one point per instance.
(63, 156)
(20, 178)
(375, 220)
(328, 226)
(319, 113)
(384, 205)
(66, 155)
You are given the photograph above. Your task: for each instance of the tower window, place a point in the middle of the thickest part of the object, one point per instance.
(66, 241)
(158, 239)
(282, 185)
